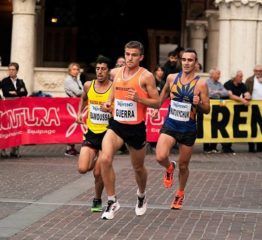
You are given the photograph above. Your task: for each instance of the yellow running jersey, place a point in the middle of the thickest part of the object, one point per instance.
(97, 121)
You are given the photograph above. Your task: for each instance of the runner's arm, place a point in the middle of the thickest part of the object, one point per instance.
(149, 84)
(83, 101)
(201, 98)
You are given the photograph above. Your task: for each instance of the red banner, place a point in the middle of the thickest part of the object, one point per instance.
(42, 120)
(153, 126)
(31, 120)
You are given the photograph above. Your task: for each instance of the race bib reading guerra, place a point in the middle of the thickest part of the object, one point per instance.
(125, 110)
(180, 111)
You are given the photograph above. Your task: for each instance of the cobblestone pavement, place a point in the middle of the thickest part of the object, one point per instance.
(42, 196)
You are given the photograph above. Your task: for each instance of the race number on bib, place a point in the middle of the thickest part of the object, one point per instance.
(97, 116)
(125, 110)
(180, 111)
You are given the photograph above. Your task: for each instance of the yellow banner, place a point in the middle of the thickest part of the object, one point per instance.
(229, 121)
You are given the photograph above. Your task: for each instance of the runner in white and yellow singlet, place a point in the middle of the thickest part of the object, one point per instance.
(95, 94)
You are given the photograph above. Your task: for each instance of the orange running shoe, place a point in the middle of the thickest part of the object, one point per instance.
(178, 202)
(169, 175)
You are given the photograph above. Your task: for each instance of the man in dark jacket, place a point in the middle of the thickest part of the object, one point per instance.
(13, 87)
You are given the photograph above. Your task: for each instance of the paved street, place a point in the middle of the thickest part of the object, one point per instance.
(42, 196)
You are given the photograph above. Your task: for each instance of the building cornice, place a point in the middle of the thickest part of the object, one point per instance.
(238, 3)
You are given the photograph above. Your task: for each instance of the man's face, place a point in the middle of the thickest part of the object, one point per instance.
(173, 59)
(133, 57)
(239, 77)
(258, 71)
(120, 62)
(188, 62)
(12, 72)
(215, 75)
(102, 72)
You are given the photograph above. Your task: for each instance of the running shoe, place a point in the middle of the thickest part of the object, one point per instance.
(169, 175)
(178, 202)
(97, 205)
(141, 206)
(71, 152)
(110, 210)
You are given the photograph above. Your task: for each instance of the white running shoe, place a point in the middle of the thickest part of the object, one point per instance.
(110, 210)
(141, 206)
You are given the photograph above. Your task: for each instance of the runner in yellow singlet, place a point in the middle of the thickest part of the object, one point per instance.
(95, 94)
(134, 90)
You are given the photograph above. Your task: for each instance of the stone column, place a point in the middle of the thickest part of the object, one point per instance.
(259, 37)
(39, 33)
(22, 46)
(238, 46)
(224, 43)
(212, 39)
(197, 34)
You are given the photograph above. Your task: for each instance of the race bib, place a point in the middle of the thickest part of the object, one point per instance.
(125, 110)
(97, 116)
(180, 111)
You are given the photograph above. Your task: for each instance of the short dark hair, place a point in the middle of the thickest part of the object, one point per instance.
(137, 45)
(102, 59)
(172, 53)
(14, 64)
(191, 50)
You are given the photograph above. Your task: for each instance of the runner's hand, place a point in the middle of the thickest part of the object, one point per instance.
(196, 98)
(154, 113)
(106, 107)
(79, 119)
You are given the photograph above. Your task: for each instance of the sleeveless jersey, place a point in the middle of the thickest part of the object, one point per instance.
(182, 113)
(127, 111)
(97, 121)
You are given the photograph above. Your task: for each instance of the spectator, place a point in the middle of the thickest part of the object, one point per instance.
(236, 91)
(198, 67)
(173, 64)
(159, 74)
(13, 87)
(254, 87)
(73, 88)
(216, 90)
(120, 62)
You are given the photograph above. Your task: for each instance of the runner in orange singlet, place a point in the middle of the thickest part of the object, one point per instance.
(133, 91)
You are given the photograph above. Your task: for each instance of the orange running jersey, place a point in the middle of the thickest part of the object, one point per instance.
(127, 111)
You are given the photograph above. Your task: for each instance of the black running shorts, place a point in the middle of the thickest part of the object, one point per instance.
(133, 135)
(187, 138)
(93, 140)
